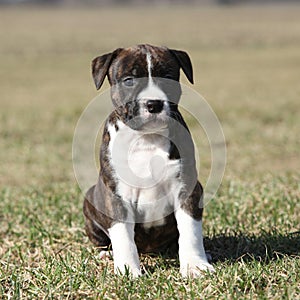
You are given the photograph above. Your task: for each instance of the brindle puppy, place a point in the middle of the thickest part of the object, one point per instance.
(147, 196)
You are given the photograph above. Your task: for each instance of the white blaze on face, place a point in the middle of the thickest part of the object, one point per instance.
(152, 91)
(149, 65)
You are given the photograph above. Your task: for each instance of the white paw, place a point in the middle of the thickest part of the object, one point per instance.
(197, 269)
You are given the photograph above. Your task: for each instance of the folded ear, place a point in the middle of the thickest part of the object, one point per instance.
(185, 63)
(100, 66)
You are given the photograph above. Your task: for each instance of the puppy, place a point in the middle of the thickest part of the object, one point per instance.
(147, 196)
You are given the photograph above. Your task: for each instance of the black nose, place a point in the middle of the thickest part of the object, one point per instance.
(154, 106)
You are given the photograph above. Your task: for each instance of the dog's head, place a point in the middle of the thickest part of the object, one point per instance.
(144, 82)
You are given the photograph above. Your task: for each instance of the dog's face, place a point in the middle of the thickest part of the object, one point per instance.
(144, 81)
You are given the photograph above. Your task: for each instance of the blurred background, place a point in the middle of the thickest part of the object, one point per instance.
(246, 61)
(142, 2)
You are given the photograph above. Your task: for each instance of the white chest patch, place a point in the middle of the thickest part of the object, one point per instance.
(147, 180)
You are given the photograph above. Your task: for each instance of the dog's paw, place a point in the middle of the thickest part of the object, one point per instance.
(197, 269)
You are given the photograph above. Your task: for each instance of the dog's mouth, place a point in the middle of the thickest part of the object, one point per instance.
(154, 123)
(148, 123)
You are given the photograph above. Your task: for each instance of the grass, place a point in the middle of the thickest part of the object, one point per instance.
(246, 62)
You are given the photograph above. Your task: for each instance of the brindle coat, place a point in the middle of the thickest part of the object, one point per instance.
(103, 197)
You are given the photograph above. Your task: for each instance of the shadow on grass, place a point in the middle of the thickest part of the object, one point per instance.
(264, 247)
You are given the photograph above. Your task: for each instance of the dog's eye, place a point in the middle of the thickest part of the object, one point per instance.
(128, 81)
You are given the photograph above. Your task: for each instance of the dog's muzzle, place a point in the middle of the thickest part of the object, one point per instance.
(154, 106)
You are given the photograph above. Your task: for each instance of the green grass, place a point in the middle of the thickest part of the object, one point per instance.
(246, 63)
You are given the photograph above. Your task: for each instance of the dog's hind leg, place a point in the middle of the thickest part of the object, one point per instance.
(96, 234)
(100, 239)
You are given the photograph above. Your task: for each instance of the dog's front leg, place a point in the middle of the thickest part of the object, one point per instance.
(192, 256)
(124, 249)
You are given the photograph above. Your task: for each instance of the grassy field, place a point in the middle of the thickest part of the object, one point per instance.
(247, 65)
